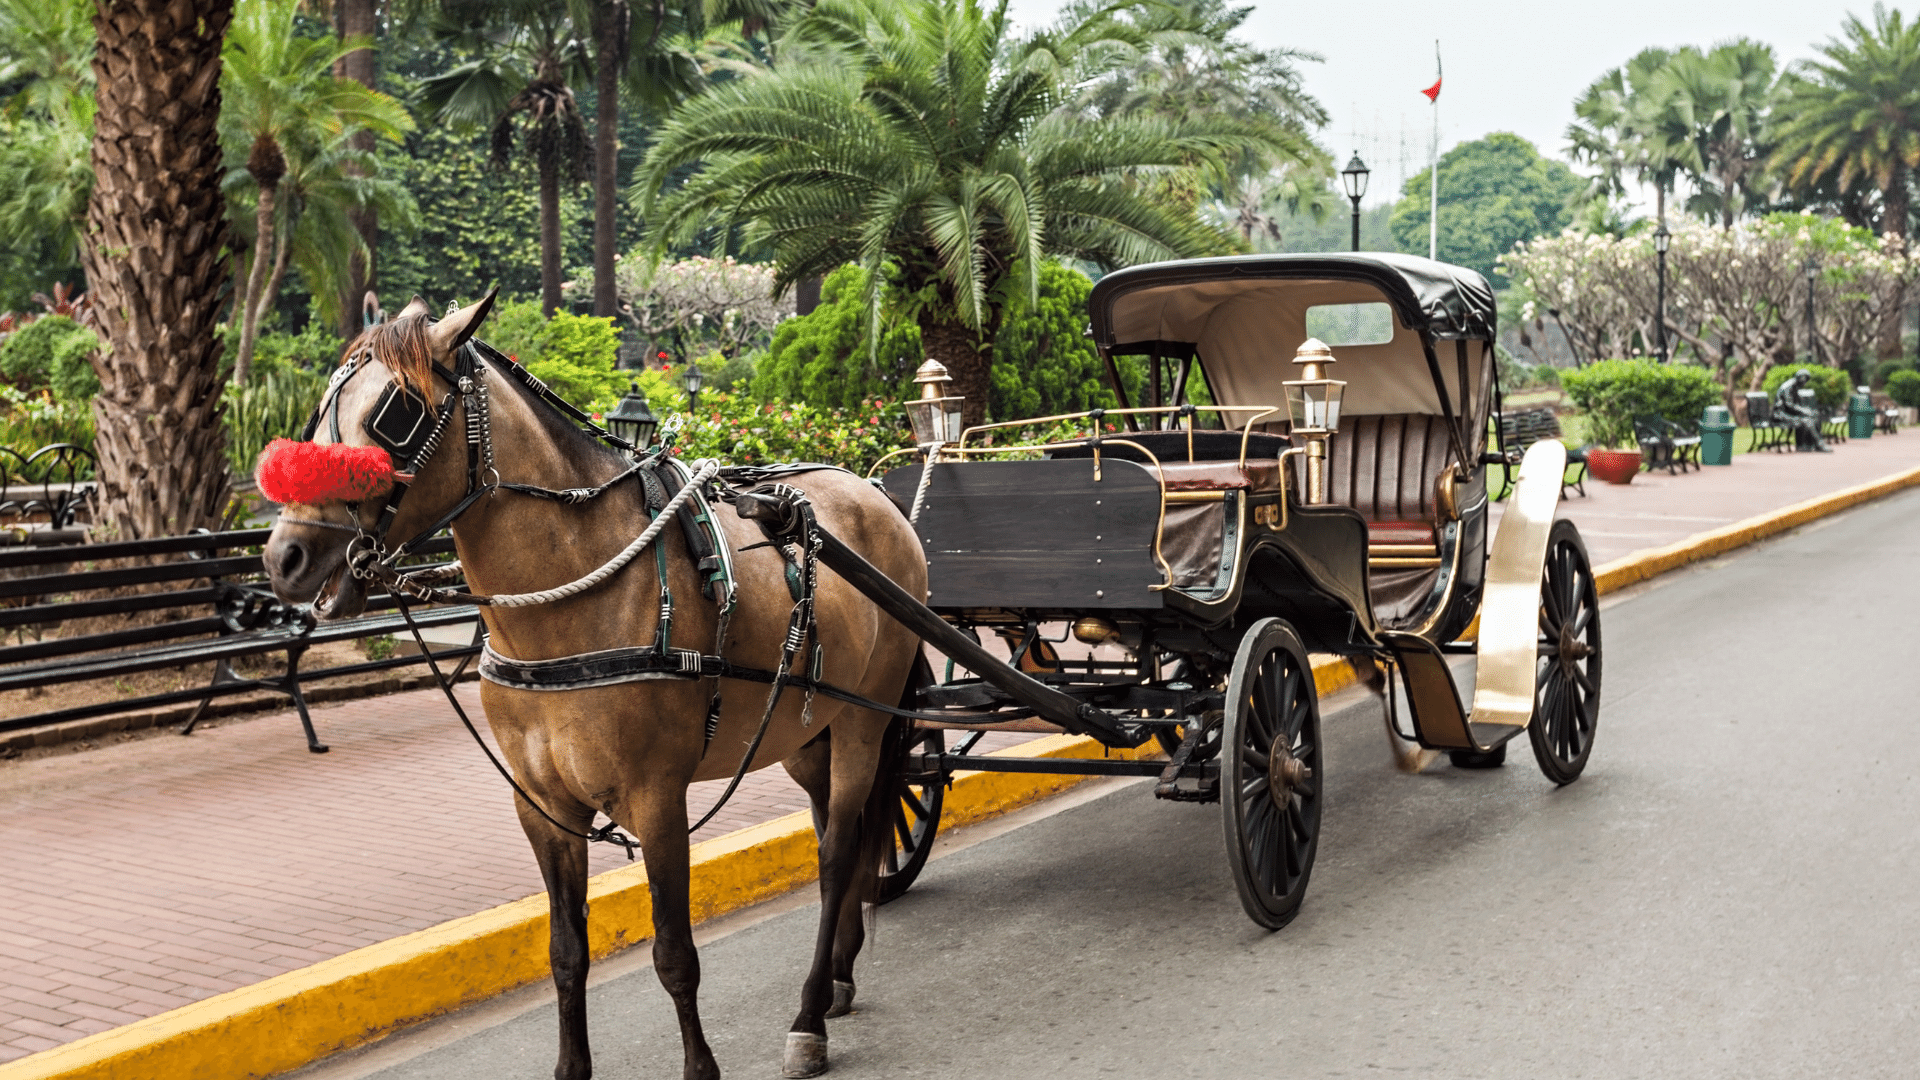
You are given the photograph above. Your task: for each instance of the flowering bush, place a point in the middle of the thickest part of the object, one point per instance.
(741, 431)
(719, 301)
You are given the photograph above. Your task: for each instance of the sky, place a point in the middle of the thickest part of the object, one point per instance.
(1509, 65)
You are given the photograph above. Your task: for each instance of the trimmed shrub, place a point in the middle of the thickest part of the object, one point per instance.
(1613, 392)
(741, 431)
(824, 357)
(1830, 385)
(52, 353)
(1904, 388)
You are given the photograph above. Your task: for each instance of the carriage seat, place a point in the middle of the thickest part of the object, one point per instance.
(1387, 467)
(1256, 475)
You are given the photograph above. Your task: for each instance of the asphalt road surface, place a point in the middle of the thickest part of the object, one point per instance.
(1730, 891)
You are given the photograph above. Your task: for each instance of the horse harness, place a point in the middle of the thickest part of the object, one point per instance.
(402, 424)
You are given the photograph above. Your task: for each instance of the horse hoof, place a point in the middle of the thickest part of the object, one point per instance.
(842, 999)
(806, 1055)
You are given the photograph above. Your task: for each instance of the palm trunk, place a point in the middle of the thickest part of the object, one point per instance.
(156, 257)
(970, 368)
(359, 18)
(549, 233)
(610, 57)
(256, 281)
(278, 275)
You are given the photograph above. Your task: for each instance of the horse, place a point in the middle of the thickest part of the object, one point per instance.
(629, 749)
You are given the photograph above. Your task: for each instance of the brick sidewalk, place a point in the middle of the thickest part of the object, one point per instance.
(1657, 509)
(150, 874)
(146, 875)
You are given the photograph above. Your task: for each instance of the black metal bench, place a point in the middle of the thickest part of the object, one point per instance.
(1522, 428)
(210, 590)
(1768, 434)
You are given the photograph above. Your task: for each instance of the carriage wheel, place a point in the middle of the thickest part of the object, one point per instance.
(1566, 704)
(916, 816)
(1271, 774)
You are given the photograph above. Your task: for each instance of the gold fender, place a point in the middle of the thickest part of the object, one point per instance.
(1510, 614)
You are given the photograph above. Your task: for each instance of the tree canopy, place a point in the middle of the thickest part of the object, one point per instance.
(1494, 192)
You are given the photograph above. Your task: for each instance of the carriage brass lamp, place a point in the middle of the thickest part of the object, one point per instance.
(632, 420)
(936, 416)
(1313, 404)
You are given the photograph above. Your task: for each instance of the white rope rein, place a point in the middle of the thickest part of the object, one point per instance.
(703, 471)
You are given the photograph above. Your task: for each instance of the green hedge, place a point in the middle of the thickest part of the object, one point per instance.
(1830, 385)
(1904, 388)
(1613, 392)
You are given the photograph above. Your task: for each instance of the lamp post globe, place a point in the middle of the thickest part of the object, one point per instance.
(1662, 240)
(693, 378)
(1355, 177)
(632, 420)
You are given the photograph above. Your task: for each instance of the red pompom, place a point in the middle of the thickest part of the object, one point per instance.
(300, 472)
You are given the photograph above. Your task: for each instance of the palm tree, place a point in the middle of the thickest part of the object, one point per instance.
(1724, 99)
(1625, 127)
(527, 55)
(919, 140)
(289, 112)
(155, 253)
(1854, 116)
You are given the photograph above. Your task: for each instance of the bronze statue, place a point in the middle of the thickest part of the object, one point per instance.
(1805, 421)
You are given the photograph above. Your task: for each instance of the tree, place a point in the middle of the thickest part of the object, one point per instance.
(1723, 99)
(292, 115)
(830, 159)
(1854, 117)
(697, 304)
(46, 125)
(527, 54)
(155, 253)
(1494, 192)
(358, 20)
(1625, 126)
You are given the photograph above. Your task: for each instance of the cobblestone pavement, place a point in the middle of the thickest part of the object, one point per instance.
(147, 875)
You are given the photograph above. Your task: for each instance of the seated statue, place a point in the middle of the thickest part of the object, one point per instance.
(1787, 409)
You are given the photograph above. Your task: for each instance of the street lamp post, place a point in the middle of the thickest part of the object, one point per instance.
(692, 379)
(1813, 275)
(1355, 175)
(1662, 239)
(632, 421)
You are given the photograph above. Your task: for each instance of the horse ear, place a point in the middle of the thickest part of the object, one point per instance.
(453, 331)
(415, 306)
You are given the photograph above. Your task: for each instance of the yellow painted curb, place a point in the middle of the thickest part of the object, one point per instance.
(362, 996)
(1652, 562)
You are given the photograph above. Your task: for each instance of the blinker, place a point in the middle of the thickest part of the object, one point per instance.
(399, 423)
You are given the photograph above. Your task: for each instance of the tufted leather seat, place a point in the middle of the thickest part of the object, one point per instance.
(1387, 467)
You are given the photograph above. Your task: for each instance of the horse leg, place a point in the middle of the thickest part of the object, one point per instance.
(563, 866)
(811, 767)
(849, 866)
(661, 827)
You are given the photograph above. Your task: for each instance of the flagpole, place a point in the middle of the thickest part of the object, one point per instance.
(1433, 169)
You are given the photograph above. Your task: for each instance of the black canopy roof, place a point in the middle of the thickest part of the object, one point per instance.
(1445, 301)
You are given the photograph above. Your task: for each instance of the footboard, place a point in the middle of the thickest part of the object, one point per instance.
(1071, 534)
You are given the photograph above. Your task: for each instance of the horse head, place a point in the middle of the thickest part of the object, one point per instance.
(369, 441)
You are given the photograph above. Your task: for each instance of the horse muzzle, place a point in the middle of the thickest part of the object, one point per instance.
(303, 570)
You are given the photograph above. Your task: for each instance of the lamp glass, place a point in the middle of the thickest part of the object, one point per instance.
(632, 420)
(1662, 239)
(693, 377)
(1313, 405)
(935, 420)
(1355, 175)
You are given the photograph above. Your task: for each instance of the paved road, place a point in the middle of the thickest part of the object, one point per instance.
(1729, 892)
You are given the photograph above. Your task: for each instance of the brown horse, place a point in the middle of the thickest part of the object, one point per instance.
(630, 750)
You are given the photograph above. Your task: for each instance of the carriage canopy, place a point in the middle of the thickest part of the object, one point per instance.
(1245, 316)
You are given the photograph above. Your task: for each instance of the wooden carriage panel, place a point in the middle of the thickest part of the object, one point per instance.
(1037, 534)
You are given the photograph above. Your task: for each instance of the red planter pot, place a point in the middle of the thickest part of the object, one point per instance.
(1614, 466)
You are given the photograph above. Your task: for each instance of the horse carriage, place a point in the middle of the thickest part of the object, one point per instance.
(1200, 545)
(1209, 548)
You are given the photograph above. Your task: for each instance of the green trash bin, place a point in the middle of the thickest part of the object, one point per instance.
(1860, 415)
(1716, 436)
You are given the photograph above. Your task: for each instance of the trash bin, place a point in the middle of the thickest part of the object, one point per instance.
(1860, 414)
(1716, 436)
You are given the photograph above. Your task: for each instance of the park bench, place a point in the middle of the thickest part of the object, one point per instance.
(1522, 428)
(1667, 445)
(208, 600)
(1767, 433)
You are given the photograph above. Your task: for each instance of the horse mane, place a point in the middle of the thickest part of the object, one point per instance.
(404, 347)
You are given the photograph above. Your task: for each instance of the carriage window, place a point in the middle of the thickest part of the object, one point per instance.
(1350, 324)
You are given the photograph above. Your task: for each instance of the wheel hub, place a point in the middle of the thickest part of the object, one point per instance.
(1286, 774)
(1572, 649)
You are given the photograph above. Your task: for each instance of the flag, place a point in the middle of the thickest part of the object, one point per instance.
(1433, 92)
